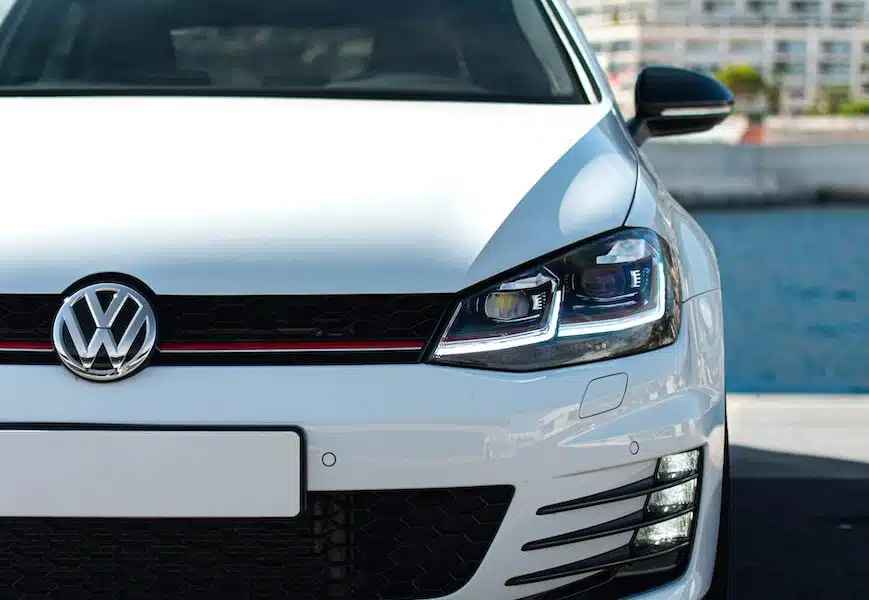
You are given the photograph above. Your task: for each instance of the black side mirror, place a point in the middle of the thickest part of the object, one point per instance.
(674, 101)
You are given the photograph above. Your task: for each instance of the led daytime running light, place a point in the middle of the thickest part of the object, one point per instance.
(613, 325)
(544, 334)
(665, 534)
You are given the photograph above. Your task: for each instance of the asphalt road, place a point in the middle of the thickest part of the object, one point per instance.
(796, 295)
(801, 494)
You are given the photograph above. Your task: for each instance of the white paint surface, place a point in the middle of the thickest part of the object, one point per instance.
(246, 195)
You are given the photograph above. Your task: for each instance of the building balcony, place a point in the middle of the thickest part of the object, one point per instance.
(834, 79)
(797, 56)
(835, 54)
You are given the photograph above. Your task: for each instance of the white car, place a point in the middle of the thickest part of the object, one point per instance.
(359, 299)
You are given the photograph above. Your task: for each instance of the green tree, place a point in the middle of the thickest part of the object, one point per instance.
(832, 98)
(858, 107)
(773, 92)
(743, 80)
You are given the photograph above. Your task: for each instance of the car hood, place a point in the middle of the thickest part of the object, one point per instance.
(294, 196)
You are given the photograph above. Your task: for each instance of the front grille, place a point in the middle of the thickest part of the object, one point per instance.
(27, 317)
(333, 329)
(298, 318)
(377, 545)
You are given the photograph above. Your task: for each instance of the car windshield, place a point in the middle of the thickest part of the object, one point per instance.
(476, 49)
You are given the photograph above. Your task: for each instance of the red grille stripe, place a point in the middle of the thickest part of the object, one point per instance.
(324, 346)
(26, 347)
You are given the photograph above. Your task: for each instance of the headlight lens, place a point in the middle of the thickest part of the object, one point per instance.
(612, 296)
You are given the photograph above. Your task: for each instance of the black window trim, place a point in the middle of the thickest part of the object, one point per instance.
(577, 57)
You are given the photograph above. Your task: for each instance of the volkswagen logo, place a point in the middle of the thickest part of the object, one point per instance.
(105, 331)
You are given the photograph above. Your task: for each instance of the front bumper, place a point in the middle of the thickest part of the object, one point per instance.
(422, 427)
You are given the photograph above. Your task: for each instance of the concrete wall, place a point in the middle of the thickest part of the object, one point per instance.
(786, 130)
(714, 173)
(816, 129)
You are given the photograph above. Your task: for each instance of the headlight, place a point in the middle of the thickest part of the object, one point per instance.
(612, 296)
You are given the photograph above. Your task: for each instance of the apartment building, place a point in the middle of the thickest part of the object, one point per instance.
(803, 44)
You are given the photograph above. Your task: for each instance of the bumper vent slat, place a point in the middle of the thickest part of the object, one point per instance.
(389, 545)
(614, 527)
(607, 585)
(615, 558)
(634, 490)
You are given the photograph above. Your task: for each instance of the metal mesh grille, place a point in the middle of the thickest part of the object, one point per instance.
(386, 545)
(263, 318)
(254, 318)
(27, 317)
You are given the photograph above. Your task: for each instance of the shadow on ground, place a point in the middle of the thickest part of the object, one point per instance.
(801, 527)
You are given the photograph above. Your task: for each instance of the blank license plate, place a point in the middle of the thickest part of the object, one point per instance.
(166, 472)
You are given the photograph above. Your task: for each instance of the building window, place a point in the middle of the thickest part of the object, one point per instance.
(836, 47)
(762, 6)
(844, 8)
(786, 68)
(669, 11)
(673, 7)
(791, 47)
(804, 7)
(834, 69)
(701, 47)
(622, 45)
(718, 7)
(659, 46)
(746, 46)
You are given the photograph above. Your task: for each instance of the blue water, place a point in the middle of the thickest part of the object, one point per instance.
(796, 299)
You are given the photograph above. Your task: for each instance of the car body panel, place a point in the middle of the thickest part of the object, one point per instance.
(655, 208)
(311, 196)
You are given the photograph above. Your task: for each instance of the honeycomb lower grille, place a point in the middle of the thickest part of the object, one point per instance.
(384, 545)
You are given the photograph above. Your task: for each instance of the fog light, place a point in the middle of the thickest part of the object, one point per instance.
(678, 466)
(673, 499)
(660, 536)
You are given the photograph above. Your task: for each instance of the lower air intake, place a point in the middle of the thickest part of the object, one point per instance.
(383, 545)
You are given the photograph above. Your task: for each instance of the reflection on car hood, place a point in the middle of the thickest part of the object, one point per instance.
(240, 195)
